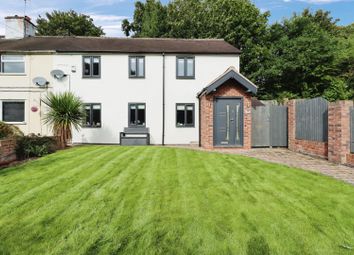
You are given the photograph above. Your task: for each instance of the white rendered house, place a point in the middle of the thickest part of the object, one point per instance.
(153, 83)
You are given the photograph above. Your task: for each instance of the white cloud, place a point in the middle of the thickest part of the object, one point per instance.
(111, 24)
(98, 3)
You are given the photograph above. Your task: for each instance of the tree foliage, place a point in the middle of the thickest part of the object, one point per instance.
(65, 111)
(70, 23)
(306, 55)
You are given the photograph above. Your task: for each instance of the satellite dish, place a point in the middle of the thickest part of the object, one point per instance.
(40, 81)
(58, 74)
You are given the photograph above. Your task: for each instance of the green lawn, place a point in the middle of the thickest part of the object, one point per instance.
(153, 200)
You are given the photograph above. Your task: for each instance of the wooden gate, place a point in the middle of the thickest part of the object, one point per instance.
(269, 124)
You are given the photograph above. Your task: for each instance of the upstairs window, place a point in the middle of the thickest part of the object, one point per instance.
(12, 64)
(91, 67)
(185, 67)
(13, 111)
(93, 115)
(137, 115)
(136, 67)
(185, 115)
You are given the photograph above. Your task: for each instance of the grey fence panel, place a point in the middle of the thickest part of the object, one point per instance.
(352, 130)
(260, 125)
(269, 124)
(312, 119)
(279, 125)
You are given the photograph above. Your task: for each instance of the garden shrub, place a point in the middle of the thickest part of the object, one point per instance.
(35, 146)
(7, 130)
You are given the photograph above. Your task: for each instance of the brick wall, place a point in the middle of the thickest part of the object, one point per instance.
(339, 132)
(314, 148)
(7, 151)
(350, 159)
(229, 89)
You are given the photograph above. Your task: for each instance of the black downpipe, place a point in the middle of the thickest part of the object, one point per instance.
(163, 99)
(200, 124)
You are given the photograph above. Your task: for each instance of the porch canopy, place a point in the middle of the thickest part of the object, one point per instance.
(230, 74)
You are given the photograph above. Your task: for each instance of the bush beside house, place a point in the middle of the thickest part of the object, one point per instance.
(35, 146)
(15, 146)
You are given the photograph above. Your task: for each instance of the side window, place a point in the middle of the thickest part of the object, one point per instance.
(91, 66)
(185, 67)
(13, 111)
(136, 67)
(185, 115)
(93, 115)
(12, 64)
(137, 114)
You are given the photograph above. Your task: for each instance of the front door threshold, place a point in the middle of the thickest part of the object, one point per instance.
(228, 146)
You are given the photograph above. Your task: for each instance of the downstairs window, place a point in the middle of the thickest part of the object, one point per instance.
(93, 115)
(185, 115)
(13, 111)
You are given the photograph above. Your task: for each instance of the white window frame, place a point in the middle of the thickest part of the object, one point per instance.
(13, 101)
(12, 61)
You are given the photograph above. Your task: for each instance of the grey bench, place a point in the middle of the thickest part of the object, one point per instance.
(135, 136)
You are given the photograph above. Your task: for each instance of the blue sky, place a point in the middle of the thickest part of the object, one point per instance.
(109, 13)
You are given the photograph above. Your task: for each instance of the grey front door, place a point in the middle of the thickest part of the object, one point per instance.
(228, 122)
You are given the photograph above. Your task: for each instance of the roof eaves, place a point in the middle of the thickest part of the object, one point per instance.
(231, 73)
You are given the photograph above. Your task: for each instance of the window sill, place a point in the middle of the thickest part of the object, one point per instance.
(15, 123)
(185, 126)
(133, 77)
(92, 127)
(185, 78)
(91, 77)
(13, 74)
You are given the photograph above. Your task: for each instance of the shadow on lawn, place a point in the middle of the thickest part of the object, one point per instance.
(257, 245)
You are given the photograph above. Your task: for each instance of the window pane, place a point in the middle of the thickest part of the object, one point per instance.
(141, 115)
(180, 67)
(13, 67)
(133, 66)
(88, 114)
(132, 111)
(12, 58)
(96, 115)
(87, 64)
(180, 116)
(141, 67)
(13, 111)
(190, 67)
(96, 66)
(190, 117)
(181, 107)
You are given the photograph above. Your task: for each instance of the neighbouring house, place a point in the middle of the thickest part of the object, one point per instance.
(183, 91)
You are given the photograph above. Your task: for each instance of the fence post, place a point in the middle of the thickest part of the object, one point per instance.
(339, 131)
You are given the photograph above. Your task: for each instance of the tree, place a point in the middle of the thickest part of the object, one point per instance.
(149, 20)
(70, 23)
(345, 57)
(65, 111)
(302, 58)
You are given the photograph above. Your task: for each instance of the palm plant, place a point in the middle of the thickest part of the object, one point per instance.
(65, 111)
